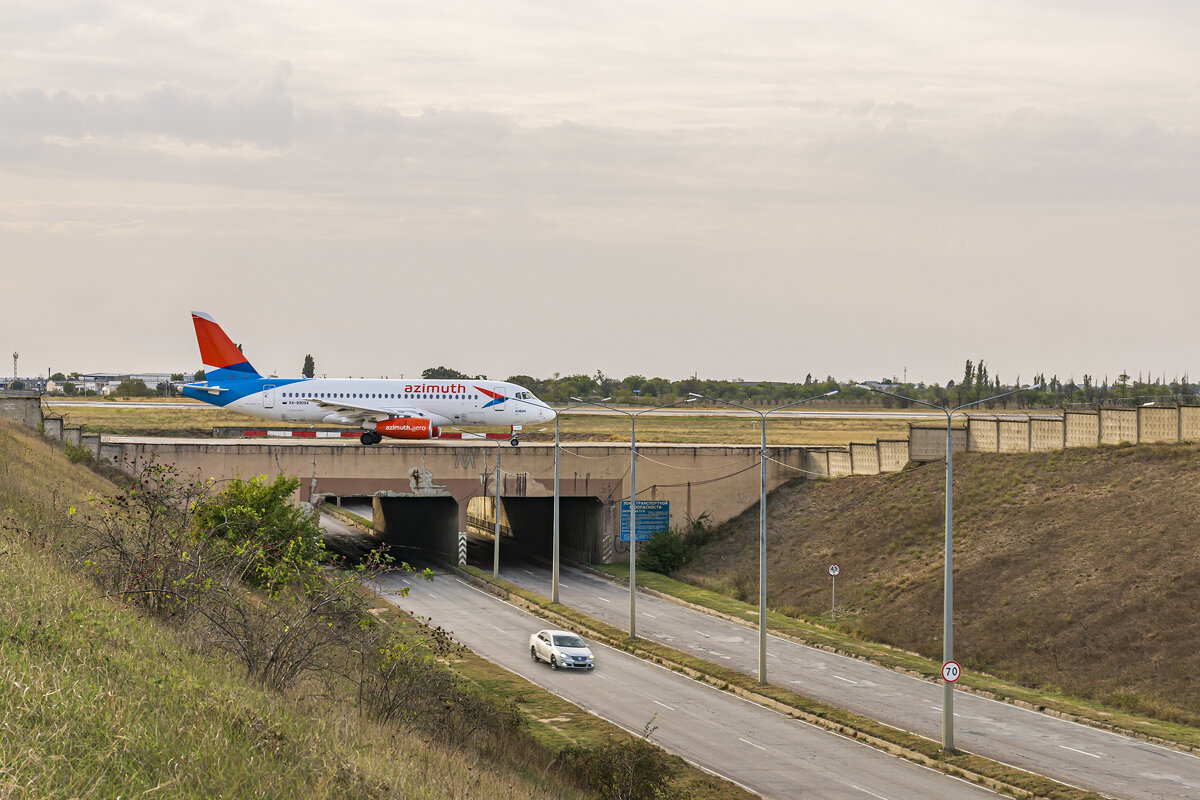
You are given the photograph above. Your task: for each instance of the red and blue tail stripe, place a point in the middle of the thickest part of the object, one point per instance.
(218, 353)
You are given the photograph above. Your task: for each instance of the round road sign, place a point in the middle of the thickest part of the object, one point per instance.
(951, 671)
(834, 569)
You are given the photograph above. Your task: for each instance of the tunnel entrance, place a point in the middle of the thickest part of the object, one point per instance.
(415, 526)
(527, 526)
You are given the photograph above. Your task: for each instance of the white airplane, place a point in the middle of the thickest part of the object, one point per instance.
(398, 409)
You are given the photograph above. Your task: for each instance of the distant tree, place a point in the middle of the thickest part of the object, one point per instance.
(440, 373)
(310, 366)
(58, 376)
(199, 376)
(177, 377)
(68, 388)
(129, 389)
(17, 385)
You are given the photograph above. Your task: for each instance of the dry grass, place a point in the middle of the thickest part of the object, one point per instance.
(1075, 571)
(652, 427)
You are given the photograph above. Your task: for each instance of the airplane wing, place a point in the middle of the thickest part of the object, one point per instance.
(362, 413)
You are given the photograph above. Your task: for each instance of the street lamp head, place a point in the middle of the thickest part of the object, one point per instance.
(697, 396)
(691, 399)
(862, 386)
(605, 400)
(829, 394)
(1035, 387)
(577, 399)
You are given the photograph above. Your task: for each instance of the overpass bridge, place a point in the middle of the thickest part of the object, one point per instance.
(424, 492)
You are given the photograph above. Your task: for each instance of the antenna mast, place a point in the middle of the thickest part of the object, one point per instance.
(15, 356)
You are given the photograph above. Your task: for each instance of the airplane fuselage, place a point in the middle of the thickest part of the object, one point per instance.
(316, 400)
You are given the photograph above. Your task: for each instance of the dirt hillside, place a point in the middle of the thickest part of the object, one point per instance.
(1077, 570)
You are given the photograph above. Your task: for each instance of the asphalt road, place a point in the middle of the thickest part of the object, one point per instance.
(762, 750)
(1114, 765)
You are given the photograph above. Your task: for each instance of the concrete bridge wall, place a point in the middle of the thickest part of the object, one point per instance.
(720, 481)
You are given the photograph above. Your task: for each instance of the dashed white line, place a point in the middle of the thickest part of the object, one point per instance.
(604, 599)
(664, 705)
(864, 791)
(1081, 752)
(847, 680)
(651, 616)
(702, 633)
(752, 744)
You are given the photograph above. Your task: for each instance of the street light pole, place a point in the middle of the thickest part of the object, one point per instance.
(496, 514)
(762, 522)
(948, 579)
(633, 415)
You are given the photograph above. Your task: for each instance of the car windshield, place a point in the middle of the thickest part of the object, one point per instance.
(569, 641)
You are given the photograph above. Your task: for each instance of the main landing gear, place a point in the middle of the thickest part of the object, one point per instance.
(370, 438)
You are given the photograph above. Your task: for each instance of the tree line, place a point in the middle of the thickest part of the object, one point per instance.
(976, 383)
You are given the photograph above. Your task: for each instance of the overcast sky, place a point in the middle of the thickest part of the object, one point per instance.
(754, 190)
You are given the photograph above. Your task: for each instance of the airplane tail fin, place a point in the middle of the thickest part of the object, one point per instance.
(218, 352)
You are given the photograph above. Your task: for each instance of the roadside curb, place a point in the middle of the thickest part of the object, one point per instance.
(594, 631)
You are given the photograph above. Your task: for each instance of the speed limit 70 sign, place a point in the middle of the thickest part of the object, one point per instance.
(951, 671)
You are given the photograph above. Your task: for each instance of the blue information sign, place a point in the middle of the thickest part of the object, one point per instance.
(652, 516)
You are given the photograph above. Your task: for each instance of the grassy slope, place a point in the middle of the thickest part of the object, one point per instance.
(99, 702)
(1075, 570)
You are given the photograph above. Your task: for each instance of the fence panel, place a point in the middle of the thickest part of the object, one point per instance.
(983, 434)
(893, 455)
(1014, 436)
(1158, 425)
(1083, 428)
(839, 463)
(1045, 434)
(1118, 425)
(865, 458)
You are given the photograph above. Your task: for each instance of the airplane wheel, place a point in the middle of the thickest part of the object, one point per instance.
(366, 439)
(514, 441)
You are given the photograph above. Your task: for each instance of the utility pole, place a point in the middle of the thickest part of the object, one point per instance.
(15, 356)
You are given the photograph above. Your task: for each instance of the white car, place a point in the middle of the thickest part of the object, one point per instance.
(561, 649)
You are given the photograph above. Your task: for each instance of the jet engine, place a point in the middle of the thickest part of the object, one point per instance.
(407, 428)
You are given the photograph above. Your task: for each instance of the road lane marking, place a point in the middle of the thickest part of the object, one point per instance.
(527, 572)
(1081, 752)
(562, 585)
(605, 599)
(651, 616)
(664, 705)
(847, 680)
(752, 744)
(434, 596)
(702, 633)
(864, 791)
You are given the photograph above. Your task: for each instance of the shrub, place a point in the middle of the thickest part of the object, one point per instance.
(628, 769)
(665, 552)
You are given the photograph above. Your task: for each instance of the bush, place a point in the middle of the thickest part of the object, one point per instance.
(628, 769)
(665, 552)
